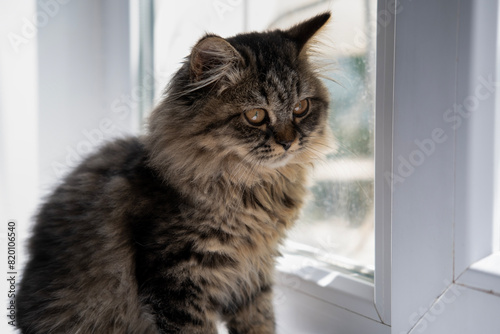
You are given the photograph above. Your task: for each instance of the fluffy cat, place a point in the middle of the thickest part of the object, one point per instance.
(169, 232)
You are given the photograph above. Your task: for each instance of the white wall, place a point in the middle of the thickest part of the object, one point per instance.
(18, 131)
(84, 83)
(65, 87)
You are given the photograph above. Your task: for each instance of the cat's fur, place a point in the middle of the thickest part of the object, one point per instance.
(171, 231)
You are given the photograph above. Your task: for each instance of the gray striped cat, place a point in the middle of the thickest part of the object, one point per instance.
(172, 231)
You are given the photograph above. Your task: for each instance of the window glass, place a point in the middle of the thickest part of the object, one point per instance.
(337, 225)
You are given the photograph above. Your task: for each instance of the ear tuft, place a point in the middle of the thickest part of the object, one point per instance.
(302, 32)
(212, 58)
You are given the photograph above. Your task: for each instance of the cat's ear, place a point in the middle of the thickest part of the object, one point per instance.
(302, 32)
(212, 60)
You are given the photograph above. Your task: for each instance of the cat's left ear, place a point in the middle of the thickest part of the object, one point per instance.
(302, 32)
(214, 60)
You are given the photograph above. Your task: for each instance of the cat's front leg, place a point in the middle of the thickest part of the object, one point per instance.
(182, 310)
(255, 317)
(187, 321)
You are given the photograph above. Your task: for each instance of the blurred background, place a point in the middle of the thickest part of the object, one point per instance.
(77, 73)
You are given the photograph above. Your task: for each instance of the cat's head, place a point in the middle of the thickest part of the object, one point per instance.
(253, 99)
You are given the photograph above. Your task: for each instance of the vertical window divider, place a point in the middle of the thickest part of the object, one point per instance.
(383, 158)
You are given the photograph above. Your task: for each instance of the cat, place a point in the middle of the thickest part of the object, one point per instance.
(177, 229)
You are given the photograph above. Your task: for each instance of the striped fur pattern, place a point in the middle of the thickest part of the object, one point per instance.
(175, 230)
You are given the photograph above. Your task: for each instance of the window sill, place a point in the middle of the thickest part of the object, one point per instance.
(310, 277)
(483, 275)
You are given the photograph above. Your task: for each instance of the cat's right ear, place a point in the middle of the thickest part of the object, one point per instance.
(303, 32)
(214, 61)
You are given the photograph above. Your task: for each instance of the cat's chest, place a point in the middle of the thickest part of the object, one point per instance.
(247, 237)
(243, 249)
(268, 208)
(243, 233)
(250, 220)
(247, 226)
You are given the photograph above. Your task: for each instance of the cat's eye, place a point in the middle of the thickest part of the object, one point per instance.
(301, 108)
(256, 116)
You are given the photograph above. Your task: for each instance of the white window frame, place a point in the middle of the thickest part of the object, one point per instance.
(476, 256)
(442, 218)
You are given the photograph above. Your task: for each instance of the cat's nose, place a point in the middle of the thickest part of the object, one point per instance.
(286, 144)
(285, 136)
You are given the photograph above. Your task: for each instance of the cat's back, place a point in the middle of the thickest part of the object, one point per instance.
(99, 199)
(82, 266)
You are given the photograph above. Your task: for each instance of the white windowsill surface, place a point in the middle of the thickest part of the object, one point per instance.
(316, 280)
(483, 275)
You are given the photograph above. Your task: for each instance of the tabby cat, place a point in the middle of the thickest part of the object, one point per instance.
(178, 229)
